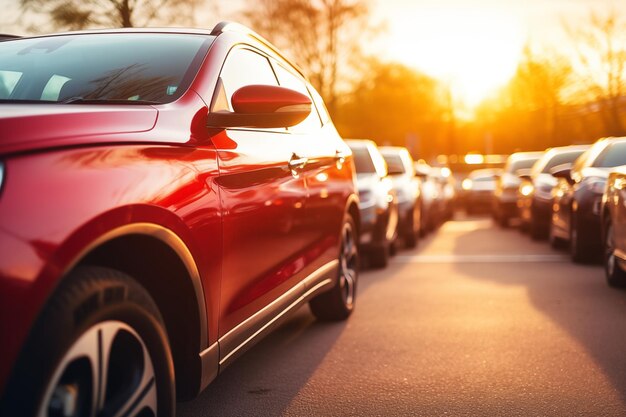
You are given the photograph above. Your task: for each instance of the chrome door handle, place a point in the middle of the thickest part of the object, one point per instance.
(297, 163)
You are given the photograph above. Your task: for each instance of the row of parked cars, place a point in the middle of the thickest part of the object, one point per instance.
(400, 199)
(167, 198)
(572, 195)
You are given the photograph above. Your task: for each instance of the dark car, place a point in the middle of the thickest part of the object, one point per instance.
(478, 189)
(378, 203)
(614, 228)
(578, 197)
(507, 185)
(535, 193)
(407, 188)
(167, 197)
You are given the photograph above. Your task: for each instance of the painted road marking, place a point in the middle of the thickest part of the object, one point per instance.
(461, 259)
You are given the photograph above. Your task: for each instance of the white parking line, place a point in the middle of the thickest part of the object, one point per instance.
(460, 259)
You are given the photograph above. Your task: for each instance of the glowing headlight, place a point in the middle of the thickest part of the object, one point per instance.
(526, 189)
(466, 184)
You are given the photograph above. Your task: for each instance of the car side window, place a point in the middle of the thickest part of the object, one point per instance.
(321, 107)
(288, 80)
(245, 67)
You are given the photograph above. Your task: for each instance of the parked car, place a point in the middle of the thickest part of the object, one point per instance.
(447, 187)
(505, 195)
(578, 197)
(168, 196)
(407, 188)
(534, 199)
(378, 203)
(432, 196)
(614, 228)
(478, 189)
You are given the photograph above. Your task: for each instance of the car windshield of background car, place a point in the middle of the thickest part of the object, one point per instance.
(118, 67)
(363, 162)
(612, 156)
(394, 164)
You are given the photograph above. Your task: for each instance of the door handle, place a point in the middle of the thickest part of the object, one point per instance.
(296, 162)
(340, 158)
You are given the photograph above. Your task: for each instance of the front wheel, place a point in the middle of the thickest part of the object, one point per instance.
(338, 303)
(615, 275)
(99, 348)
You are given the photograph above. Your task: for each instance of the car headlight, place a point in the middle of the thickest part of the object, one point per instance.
(596, 184)
(526, 189)
(466, 184)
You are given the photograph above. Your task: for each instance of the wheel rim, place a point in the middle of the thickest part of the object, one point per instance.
(107, 371)
(348, 264)
(609, 252)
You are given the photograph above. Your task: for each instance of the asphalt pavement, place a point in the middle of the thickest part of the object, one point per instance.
(477, 321)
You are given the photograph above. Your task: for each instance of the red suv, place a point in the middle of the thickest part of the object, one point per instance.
(167, 197)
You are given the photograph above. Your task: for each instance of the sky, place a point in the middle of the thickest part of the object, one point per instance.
(473, 45)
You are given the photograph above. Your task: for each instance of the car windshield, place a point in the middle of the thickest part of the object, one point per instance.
(521, 164)
(104, 67)
(612, 156)
(363, 161)
(394, 164)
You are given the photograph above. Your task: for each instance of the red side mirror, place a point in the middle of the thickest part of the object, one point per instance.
(263, 106)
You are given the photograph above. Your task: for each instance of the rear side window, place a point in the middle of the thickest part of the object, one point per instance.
(612, 156)
(288, 80)
(245, 67)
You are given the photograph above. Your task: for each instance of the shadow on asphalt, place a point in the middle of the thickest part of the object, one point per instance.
(578, 300)
(266, 379)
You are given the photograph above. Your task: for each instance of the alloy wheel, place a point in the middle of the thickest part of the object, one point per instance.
(106, 372)
(348, 260)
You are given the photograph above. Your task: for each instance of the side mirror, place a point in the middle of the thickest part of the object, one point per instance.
(563, 171)
(263, 106)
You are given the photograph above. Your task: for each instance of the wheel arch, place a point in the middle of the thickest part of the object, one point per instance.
(161, 262)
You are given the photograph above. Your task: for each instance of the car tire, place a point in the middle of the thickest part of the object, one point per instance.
(338, 303)
(411, 236)
(379, 256)
(615, 275)
(99, 325)
(578, 251)
(555, 241)
(535, 229)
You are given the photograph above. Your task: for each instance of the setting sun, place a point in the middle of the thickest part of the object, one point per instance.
(473, 49)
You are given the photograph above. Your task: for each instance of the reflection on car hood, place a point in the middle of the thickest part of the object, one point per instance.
(26, 127)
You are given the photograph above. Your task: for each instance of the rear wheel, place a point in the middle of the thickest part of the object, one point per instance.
(555, 241)
(98, 349)
(411, 234)
(338, 303)
(615, 275)
(379, 256)
(578, 251)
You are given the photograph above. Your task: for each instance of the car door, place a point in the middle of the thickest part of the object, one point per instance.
(325, 174)
(263, 197)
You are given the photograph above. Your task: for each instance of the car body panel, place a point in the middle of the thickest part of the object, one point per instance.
(255, 234)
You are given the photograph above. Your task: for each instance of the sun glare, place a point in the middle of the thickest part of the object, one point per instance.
(474, 49)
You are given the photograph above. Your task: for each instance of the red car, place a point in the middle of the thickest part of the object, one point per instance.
(167, 197)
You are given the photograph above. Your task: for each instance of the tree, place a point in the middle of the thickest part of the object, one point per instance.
(601, 59)
(394, 104)
(321, 35)
(81, 14)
